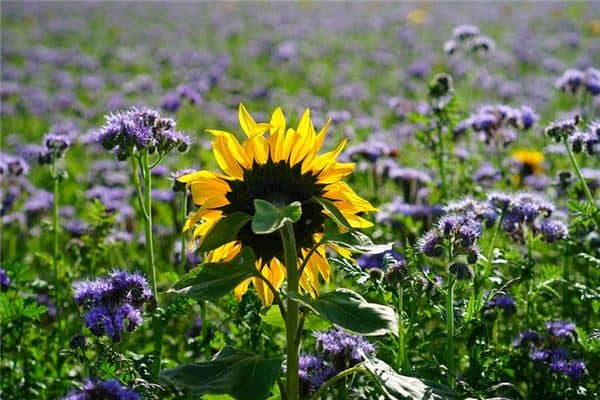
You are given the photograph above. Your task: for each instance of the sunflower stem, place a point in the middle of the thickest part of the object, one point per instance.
(291, 323)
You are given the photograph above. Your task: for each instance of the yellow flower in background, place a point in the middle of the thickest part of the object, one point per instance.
(531, 160)
(417, 16)
(280, 165)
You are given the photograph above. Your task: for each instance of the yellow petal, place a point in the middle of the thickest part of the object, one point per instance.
(335, 172)
(249, 126)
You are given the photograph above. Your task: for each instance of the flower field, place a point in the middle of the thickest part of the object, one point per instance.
(299, 201)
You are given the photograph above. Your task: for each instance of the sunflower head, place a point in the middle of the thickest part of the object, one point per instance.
(280, 165)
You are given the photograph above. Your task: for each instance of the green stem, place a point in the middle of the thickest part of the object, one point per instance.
(450, 329)
(55, 201)
(291, 323)
(401, 345)
(184, 217)
(350, 371)
(575, 165)
(150, 265)
(204, 318)
(440, 159)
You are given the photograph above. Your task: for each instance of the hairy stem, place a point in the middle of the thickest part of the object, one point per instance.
(450, 329)
(291, 323)
(575, 165)
(183, 257)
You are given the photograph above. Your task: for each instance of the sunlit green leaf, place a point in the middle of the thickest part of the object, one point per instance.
(268, 218)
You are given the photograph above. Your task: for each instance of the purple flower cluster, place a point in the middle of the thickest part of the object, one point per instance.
(563, 129)
(498, 123)
(54, 148)
(587, 140)
(460, 229)
(505, 303)
(547, 349)
(336, 352)
(114, 303)
(574, 80)
(137, 130)
(4, 280)
(468, 38)
(110, 389)
(12, 167)
(313, 373)
(342, 349)
(528, 211)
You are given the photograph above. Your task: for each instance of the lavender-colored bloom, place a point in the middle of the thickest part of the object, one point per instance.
(553, 230)
(576, 369)
(559, 365)
(195, 329)
(526, 337)
(561, 329)
(503, 302)
(563, 129)
(170, 102)
(95, 390)
(114, 303)
(4, 280)
(376, 260)
(539, 355)
(142, 129)
(313, 373)
(431, 244)
(342, 349)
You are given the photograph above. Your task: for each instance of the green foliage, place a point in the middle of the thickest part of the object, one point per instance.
(225, 231)
(214, 280)
(351, 311)
(245, 376)
(269, 218)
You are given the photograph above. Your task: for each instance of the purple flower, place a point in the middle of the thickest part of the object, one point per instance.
(527, 337)
(170, 102)
(561, 329)
(4, 280)
(431, 244)
(576, 369)
(110, 389)
(553, 230)
(342, 349)
(313, 373)
(539, 355)
(376, 260)
(503, 302)
(114, 303)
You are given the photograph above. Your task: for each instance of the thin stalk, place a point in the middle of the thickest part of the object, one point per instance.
(150, 264)
(350, 371)
(204, 318)
(401, 345)
(291, 323)
(440, 159)
(183, 218)
(450, 329)
(55, 202)
(575, 165)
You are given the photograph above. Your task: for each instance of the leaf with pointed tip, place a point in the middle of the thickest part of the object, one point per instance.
(244, 376)
(224, 231)
(311, 322)
(401, 387)
(268, 218)
(334, 212)
(351, 311)
(214, 280)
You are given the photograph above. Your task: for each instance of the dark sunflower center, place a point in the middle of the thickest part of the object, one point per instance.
(279, 184)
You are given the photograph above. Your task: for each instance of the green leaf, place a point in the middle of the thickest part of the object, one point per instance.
(311, 322)
(334, 212)
(351, 311)
(352, 240)
(268, 218)
(396, 386)
(225, 230)
(214, 280)
(244, 376)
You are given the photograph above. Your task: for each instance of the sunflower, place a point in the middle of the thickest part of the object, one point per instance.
(280, 165)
